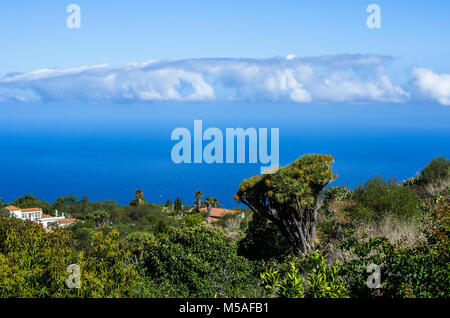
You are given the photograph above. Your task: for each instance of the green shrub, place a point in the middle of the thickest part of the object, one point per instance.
(81, 234)
(437, 171)
(262, 240)
(198, 261)
(330, 229)
(292, 284)
(381, 197)
(412, 181)
(193, 219)
(421, 270)
(318, 279)
(106, 271)
(336, 194)
(33, 263)
(325, 281)
(137, 243)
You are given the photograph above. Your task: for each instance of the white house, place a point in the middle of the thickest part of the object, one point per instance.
(36, 215)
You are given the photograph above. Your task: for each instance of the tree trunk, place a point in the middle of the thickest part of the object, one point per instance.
(313, 220)
(297, 224)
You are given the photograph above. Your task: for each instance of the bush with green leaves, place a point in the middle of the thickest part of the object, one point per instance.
(137, 243)
(81, 234)
(421, 270)
(193, 219)
(33, 263)
(410, 182)
(326, 281)
(318, 279)
(198, 261)
(262, 240)
(291, 286)
(432, 179)
(380, 197)
(437, 171)
(106, 271)
(336, 194)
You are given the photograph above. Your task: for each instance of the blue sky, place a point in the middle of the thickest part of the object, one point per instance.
(34, 34)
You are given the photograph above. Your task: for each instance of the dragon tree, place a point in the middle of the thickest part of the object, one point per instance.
(290, 197)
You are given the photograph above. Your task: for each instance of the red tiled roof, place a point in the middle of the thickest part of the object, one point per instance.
(65, 221)
(219, 212)
(32, 210)
(12, 208)
(44, 216)
(211, 220)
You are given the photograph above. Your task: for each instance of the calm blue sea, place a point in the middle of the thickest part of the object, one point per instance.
(108, 151)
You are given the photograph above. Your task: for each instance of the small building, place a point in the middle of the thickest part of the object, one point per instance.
(66, 222)
(218, 213)
(36, 215)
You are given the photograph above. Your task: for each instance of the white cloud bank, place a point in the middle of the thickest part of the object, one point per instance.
(432, 85)
(340, 78)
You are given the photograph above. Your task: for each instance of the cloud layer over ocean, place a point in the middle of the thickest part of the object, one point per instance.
(351, 78)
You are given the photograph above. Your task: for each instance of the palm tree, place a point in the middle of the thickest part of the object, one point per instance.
(211, 203)
(198, 196)
(139, 196)
(208, 205)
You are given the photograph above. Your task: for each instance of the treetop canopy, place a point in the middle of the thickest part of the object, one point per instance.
(298, 179)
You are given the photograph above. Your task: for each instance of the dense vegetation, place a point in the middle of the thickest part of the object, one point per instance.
(299, 238)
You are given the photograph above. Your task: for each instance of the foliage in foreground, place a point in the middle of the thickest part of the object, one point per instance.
(198, 261)
(437, 171)
(319, 280)
(262, 240)
(421, 270)
(33, 263)
(381, 197)
(336, 194)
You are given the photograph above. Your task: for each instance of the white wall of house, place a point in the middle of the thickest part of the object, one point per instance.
(36, 216)
(33, 216)
(46, 221)
(17, 214)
